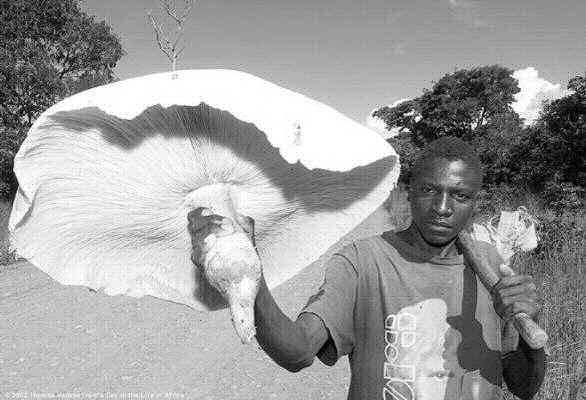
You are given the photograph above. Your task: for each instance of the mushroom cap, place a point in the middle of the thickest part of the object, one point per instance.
(108, 176)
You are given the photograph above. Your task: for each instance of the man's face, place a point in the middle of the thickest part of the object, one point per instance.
(443, 198)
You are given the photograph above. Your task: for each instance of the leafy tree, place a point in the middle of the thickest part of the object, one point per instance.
(10, 141)
(407, 151)
(578, 85)
(553, 148)
(472, 104)
(494, 142)
(459, 104)
(48, 50)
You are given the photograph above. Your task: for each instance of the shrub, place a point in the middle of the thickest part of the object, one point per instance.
(562, 196)
(6, 255)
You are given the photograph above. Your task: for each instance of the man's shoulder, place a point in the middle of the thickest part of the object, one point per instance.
(490, 252)
(364, 245)
(369, 252)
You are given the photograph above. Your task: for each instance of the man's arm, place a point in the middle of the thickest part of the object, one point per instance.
(524, 367)
(291, 344)
(524, 370)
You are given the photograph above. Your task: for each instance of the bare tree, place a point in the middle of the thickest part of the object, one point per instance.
(170, 44)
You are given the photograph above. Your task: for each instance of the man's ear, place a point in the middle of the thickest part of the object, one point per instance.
(475, 208)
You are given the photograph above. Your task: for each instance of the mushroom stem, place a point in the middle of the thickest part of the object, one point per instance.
(231, 263)
(241, 299)
(233, 267)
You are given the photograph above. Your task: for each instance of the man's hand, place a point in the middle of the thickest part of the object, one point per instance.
(523, 367)
(247, 225)
(205, 227)
(514, 294)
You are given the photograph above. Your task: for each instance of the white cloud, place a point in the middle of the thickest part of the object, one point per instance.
(534, 90)
(396, 103)
(379, 126)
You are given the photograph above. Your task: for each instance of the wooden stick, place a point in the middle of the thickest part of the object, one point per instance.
(534, 336)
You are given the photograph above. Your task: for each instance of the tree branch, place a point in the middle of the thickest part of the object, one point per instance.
(169, 7)
(481, 119)
(167, 45)
(63, 65)
(162, 39)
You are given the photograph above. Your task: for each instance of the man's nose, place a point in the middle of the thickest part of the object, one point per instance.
(442, 205)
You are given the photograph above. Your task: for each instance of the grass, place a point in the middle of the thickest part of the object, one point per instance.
(558, 267)
(560, 273)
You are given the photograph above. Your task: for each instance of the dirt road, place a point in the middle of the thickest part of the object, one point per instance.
(68, 340)
(61, 341)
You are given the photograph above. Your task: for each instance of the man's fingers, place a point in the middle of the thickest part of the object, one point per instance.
(515, 294)
(198, 213)
(226, 227)
(520, 298)
(526, 288)
(199, 217)
(508, 281)
(204, 228)
(203, 222)
(201, 244)
(530, 308)
(247, 223)
(517, 299)
(215, 225)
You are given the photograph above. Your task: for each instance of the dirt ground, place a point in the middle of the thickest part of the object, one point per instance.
(66, 342)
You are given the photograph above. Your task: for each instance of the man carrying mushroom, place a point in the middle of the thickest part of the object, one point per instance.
(413, 318)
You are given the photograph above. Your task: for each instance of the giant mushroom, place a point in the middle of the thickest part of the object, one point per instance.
(108, 176)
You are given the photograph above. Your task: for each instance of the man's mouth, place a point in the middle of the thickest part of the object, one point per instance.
(439, 224)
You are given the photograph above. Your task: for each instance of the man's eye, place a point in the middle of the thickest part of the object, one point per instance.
(427, 189)
(461, 196)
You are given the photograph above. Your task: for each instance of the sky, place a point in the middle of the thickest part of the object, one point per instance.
(357, 55)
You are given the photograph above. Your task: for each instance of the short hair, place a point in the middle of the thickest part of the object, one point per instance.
(448, 148)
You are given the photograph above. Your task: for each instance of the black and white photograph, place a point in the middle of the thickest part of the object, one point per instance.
(293, 199)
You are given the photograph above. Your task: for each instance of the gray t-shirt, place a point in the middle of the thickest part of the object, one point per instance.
(413, 328)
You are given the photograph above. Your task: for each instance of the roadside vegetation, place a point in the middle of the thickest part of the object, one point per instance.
(558, 266)
(6, 256)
